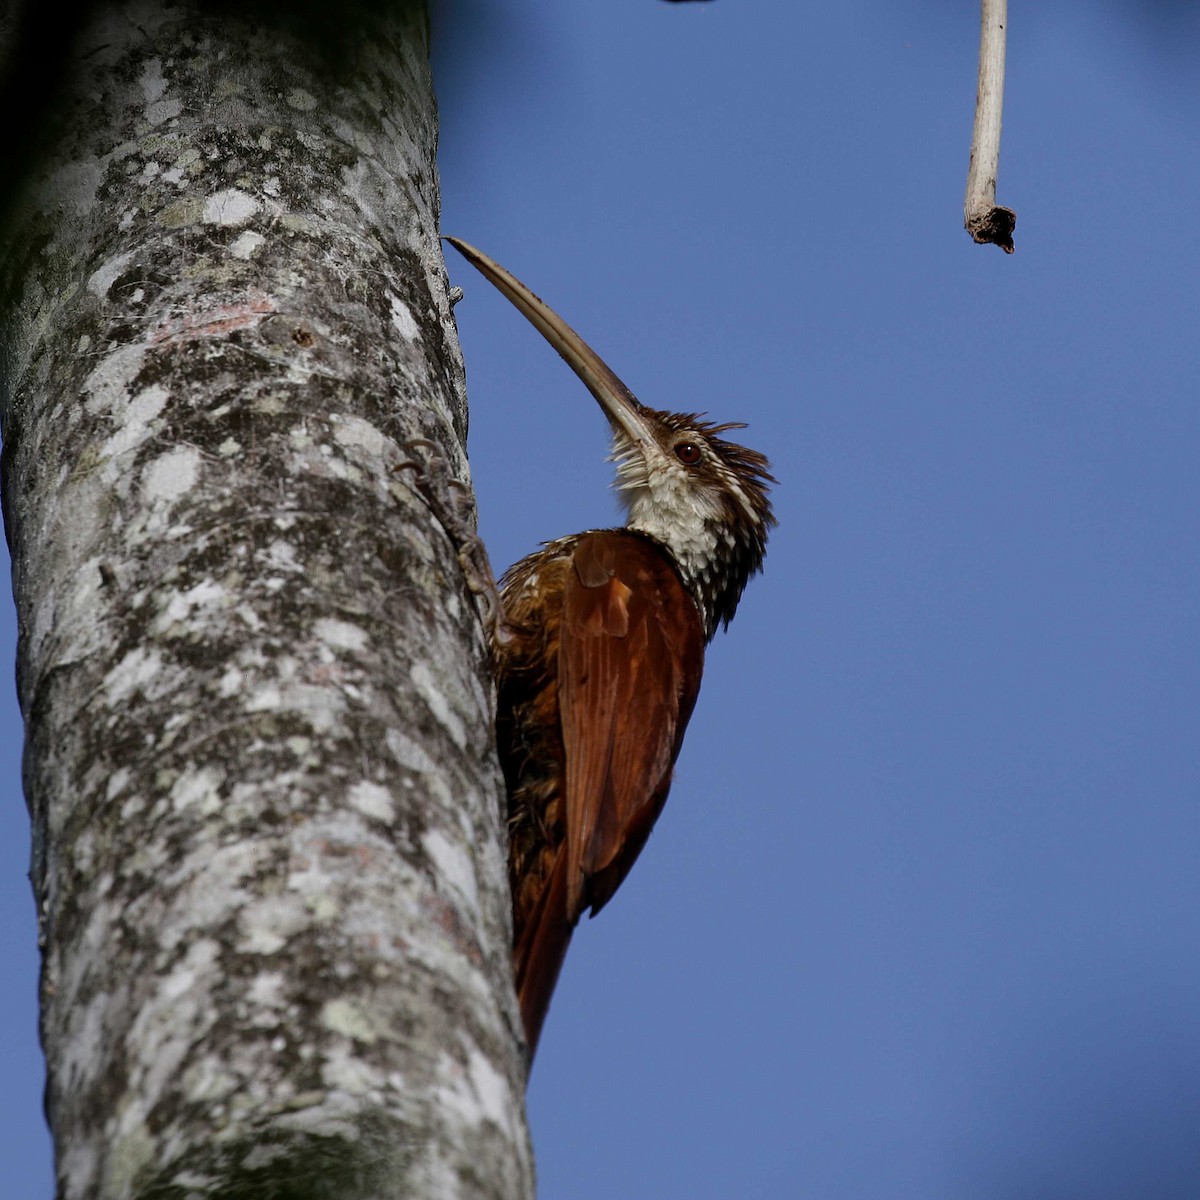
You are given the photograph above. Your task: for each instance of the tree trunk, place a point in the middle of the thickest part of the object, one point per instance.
(268, 847)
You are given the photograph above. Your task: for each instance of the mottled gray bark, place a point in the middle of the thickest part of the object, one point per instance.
(268, 838)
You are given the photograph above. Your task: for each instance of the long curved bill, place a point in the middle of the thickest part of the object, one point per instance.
(620, 405)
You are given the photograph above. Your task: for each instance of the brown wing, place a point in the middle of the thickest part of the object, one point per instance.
(631, 653)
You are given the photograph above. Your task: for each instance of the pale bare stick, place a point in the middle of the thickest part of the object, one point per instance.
(985, 220)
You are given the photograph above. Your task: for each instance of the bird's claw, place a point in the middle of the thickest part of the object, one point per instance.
(455, 517)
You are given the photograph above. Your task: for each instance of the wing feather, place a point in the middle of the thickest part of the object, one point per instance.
(631, 654)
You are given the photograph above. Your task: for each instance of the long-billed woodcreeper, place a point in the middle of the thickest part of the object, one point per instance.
(600, 666)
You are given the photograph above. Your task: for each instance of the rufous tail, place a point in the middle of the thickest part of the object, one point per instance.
(539, 953)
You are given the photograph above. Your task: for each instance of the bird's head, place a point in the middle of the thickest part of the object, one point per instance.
(702, 497)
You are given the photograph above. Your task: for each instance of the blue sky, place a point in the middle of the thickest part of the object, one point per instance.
(921, 917)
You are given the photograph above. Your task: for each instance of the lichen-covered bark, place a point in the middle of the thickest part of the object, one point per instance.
(268, 842)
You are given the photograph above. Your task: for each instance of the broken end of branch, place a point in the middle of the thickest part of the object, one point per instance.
(994, 225)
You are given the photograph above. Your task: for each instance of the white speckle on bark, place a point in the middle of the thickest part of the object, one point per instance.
(246, 244)
(116, 783)
(340, 469)
(344, 1071)
(164, 110)
(267, 923)
(207, 594)
(87, 1037)
(268, 991)
(299, 98)
(373, 800)
(454, 866)
(108, 384)
(340, 633)
(495, 1096)
(232, 682)
(320, 706)
(199, 788)
(282, 556)
(45, 615)
(354, 432)
(85, 597)
(135, 429)
(267, 698)
(403, 320)
(171, 475)
(429, 687)
(479, 1094)
(136, 670)
(103, 278)
(80, 1160)
(347, 1018)
(153, 84)
(408, 752)
(167, 1032)
(323, 907)
(231, 206)
(310, 879)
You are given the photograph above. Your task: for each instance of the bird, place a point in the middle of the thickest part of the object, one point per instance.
(599, 664)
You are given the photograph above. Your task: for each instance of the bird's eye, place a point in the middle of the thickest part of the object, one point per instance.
(688, 453)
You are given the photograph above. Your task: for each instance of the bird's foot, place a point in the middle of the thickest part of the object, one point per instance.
(452, 502)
